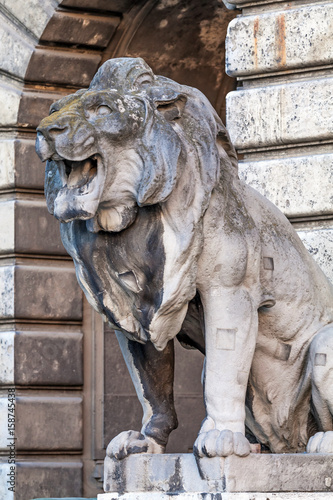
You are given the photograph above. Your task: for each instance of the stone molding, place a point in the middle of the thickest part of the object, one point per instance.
(181, 474)
(280, 118)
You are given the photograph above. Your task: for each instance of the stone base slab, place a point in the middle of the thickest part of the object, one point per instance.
(215, 496)
(177, 474)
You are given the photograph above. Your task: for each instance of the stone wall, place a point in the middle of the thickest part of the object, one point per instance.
(281, 116)
(43, 55)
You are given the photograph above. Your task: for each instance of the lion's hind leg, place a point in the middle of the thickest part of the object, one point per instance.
(321, 367)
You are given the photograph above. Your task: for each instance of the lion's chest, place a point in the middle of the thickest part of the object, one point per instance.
(122, 272)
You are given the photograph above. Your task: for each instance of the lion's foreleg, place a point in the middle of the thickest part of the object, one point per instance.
(152, 373)
(231, 324)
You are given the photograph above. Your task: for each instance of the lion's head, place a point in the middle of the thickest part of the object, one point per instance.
(117, 145)
(134, 139)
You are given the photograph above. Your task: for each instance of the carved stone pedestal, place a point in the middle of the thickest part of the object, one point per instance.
(257, 477)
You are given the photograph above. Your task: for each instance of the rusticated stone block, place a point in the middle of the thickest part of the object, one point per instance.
(319, 242)
(7, 358)
(35, 14)
(73, 68)
(280, 40)
(29, 228)
(36, 231)
(59, 423)
(48, 358)
(32, 106)
(47, 292)
(40, 292)
(14, 42)
(7, 226)
(20, 166)
(74, 28)
(299, 112)
(298, 186)
(45, 479)
(107, 5)
(9, 103)
(6, 292)
(29, 170)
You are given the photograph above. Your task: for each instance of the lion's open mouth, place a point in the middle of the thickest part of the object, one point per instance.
(82, 186)
(78, 174)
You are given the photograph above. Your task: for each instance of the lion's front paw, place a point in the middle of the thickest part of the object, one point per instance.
(129, 442)
(321, 442)
(221, 444)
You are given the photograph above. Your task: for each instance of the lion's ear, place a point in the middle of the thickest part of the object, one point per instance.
(159, 152)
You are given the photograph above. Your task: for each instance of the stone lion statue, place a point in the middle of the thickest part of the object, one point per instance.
(168, 242)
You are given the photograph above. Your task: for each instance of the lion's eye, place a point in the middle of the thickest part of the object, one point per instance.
(103, 110)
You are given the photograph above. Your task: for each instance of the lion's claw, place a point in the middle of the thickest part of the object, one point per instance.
(129, 442)
(221, 443)
(321, 442)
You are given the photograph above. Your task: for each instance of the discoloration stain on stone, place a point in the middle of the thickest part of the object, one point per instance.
(282, 351)
(320, 359)
(269, 263)
(242, 378)
(176, 481)
(226, 339)
(255, 35)
(281, 40)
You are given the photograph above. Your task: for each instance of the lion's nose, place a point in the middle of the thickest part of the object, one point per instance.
(43, 148)
(56, 129)
(52, 130)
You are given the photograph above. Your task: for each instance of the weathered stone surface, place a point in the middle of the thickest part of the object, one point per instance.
(319, 242)
(80, 29)
(106, 5)
(42, 478)
(4, 470)
(280, 40)
(240, 287)
(6, 358)
(27, 227)
(178, 473)
(43, 292)
(74, 68)
(4, 421)
(33, 105)
(7, 292)
(7, 226)
(149, 495)
(35, 14)
(40, 292)
(297, 112)
(29, 173)
(35, 230)
(7, 171)
(59, 423)
(47, 358)
(298, 186)
(13, 41)
(9, 103)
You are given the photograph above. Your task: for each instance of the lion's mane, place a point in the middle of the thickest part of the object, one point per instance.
(186, 153)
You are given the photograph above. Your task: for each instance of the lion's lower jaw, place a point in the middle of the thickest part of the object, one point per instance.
(68, 206)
